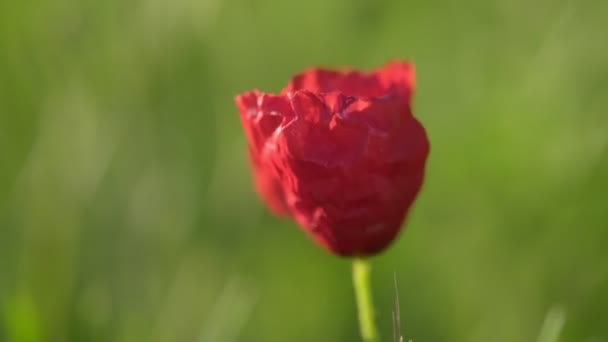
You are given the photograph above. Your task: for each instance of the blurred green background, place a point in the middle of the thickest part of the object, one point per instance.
(127, 211)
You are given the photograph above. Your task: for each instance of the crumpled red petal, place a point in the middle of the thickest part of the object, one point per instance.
(340, 152)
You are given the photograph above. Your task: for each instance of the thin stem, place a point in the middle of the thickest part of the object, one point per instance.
(363, 294)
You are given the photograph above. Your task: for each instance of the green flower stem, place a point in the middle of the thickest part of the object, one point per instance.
(365, 305)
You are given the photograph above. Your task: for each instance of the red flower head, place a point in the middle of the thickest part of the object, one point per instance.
(340, 152)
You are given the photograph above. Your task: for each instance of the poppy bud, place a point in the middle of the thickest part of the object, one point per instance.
(340, 152)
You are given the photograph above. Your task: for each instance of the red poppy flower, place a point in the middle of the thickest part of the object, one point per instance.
(340, 152)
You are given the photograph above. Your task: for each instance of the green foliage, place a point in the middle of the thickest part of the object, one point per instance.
(126, 206)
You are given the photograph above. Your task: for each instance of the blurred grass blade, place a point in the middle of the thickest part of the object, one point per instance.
(229, 314)
(553, 325)
(21, 319)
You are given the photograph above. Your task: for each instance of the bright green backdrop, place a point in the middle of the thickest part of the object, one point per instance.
(126, 205)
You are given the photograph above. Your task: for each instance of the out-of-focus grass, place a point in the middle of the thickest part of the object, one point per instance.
(553, 325)
(126, 208)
